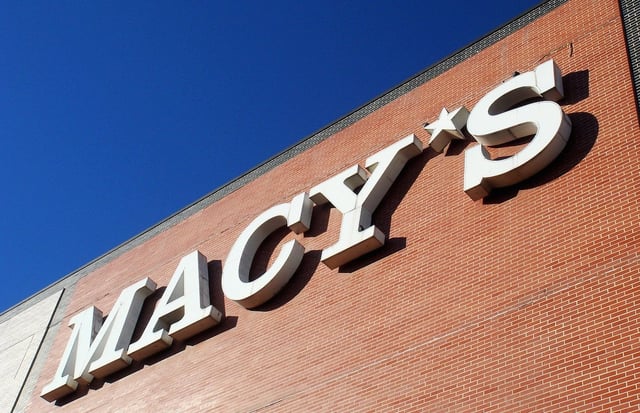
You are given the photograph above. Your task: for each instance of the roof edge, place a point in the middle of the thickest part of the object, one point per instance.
(308, 142)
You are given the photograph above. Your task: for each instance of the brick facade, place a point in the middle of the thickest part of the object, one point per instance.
(527, 300)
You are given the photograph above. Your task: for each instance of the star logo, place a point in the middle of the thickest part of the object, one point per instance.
(447, 128)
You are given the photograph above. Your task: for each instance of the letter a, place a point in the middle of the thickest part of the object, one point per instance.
(183, 311)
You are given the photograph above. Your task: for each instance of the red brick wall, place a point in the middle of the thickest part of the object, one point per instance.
(526, 301)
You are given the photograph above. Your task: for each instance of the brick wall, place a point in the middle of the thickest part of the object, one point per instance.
(527, 300)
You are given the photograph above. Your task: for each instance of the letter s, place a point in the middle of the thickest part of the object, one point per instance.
(492, 122)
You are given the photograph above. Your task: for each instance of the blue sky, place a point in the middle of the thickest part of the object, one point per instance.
(115, 115)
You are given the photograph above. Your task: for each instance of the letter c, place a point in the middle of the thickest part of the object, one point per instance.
(235, 276)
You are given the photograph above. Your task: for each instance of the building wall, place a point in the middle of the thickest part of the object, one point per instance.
(526, 300)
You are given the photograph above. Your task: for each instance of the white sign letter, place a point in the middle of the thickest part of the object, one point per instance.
(357, 235)
(493, 122)
(183, 311)
(97, 349)
(235, 277)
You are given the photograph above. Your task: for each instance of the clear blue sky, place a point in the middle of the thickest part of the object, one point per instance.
(115, 115)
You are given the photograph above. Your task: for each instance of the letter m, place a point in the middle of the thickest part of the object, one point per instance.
(97, 348)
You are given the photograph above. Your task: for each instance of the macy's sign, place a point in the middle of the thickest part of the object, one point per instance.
(99, 347)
